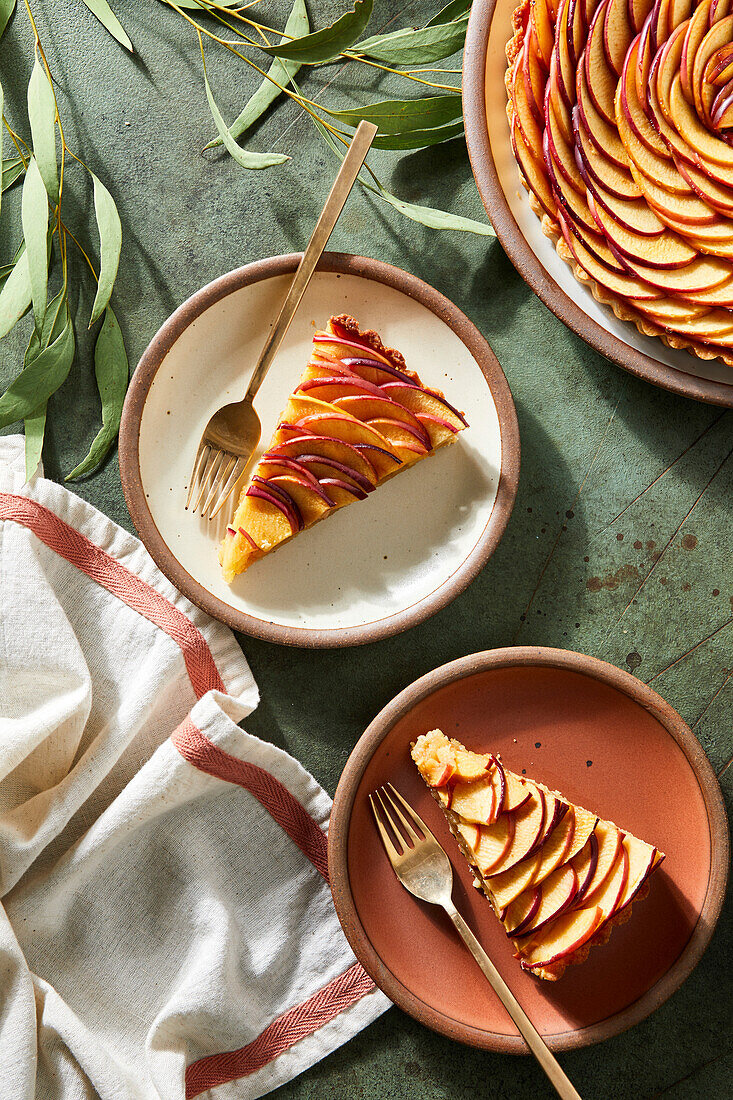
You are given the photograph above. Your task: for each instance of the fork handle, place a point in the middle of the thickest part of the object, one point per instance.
(534, 1040)
(345, 180)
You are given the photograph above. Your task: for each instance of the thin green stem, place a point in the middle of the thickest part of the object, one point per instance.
(398, 72)
(68, 233)
(302, 100)
(17, 141)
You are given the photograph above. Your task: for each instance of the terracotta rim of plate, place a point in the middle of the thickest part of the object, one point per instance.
(341, 817)
(365, 268)
(520, 253)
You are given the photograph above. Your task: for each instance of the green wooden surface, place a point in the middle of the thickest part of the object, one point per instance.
(621, 539)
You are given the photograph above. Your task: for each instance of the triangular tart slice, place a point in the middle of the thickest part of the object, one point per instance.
(357, 417)
(557, 876)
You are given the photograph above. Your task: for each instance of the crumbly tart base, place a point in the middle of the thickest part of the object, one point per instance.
(551, 229)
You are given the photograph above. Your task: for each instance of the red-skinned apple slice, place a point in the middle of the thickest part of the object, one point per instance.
(703, 275)
(339, 346)
(642, 860)
(343, 385)
(528, 826)
(384, 462)
(311, 503)
(556, 847)
(608, 895)
(617, 34)
(522, 910)
(569, 932)
(601, 78)
(543, 31)
(719, 69)
(696, 31)
(585, 863)
(526, 119)
(471, 766)
(667, 251)
(322, 467)
(534, 172)
(424, 402)
(558, 891)
(277, 501)
(604, 136)
(517, 793)
(494, 843)
(475, 802)
(368, 408)
(534, 78)
(624, 285)
(608, 839)
(616, 180)
(343, 492)
(509, 884)
(326, 447)
(715, 194)
(585, 824)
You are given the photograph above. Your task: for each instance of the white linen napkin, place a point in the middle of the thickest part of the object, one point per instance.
(166, 927)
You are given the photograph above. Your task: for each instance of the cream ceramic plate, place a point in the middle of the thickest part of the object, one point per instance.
(533, 254)
(371, 569)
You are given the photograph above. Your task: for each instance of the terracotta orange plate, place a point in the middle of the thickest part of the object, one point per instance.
(606, 741)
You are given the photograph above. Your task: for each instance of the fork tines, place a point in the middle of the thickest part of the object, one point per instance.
(385, 796)
(213, 479)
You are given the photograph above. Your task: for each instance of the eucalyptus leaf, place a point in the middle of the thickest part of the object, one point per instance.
(454, 10)
(255, 161)
(37, 381)
(34, 215)
(328, 43)
(53, 325)
(112, 373)
(427, 215)
(415, 47)
(12, 170)
(35, 427)
(396, 116)
(7, 7)
(42, 117)
(110, 243)
(419, 139)
(280, 72)
(109, 20)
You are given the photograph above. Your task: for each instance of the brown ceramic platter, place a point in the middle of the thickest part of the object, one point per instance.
(372, 569)
(605, 740)
(532, 253)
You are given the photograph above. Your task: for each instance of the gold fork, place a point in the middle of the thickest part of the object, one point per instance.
(230, 437)
(424, 869)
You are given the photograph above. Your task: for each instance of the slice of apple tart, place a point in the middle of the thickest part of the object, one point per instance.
(557, 876)
(357, 417)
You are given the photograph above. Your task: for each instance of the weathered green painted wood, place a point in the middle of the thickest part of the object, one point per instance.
(625, 459)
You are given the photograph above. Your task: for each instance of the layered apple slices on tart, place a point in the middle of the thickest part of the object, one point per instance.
(621, 119)
(357, 417)
(557, 876)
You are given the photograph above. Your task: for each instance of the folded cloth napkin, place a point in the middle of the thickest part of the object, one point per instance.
(166, 927)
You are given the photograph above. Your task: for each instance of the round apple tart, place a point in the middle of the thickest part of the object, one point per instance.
(621, 118)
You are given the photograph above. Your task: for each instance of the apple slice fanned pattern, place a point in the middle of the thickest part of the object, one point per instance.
(557, 876)
(357, 417)
(621, 119)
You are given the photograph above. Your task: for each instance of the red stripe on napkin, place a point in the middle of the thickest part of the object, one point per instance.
(101, 567)
(281, 1034)
(282, 806)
